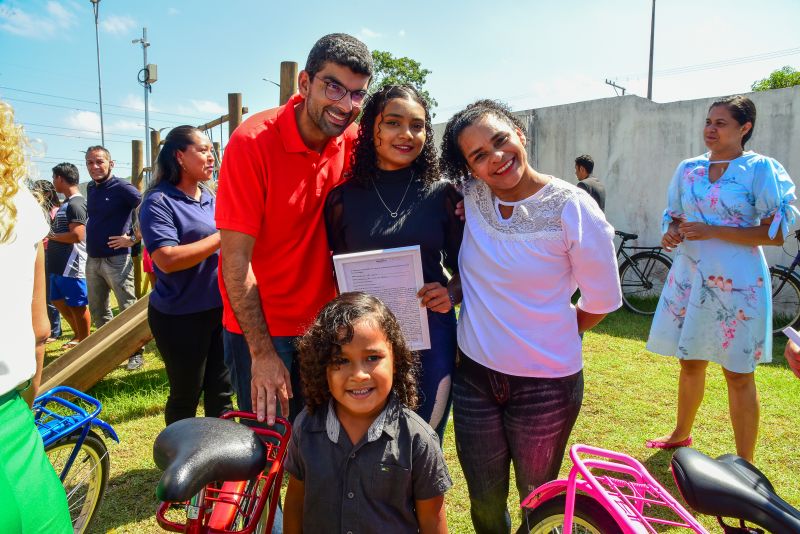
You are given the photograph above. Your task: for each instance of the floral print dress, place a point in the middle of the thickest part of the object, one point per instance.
(716, 305)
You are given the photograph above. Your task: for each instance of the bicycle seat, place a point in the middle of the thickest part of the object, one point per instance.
(731, 487)
(193, 452)
(626, 235)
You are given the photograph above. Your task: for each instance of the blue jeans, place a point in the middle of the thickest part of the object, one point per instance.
(238, 361)
(436, 371)
(52, 313)
(499, 419)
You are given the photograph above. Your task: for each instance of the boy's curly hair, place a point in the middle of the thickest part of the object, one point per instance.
(333, 327)
(453, 163)
(364, 158)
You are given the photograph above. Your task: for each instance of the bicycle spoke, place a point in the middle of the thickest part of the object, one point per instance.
(785, 299)
(642, 278)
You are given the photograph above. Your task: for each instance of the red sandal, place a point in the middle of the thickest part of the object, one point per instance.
(653, 444)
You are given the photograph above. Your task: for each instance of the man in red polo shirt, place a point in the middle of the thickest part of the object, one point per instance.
(275, 271)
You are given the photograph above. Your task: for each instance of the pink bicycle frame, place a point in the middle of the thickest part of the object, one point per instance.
(625, 496)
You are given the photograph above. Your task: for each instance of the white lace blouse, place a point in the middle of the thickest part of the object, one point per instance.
(518, 276)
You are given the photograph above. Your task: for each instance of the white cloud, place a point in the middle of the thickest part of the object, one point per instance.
(561, 90)
(208, 106)
(86, 121)
(366, 33)
(137, 102)
(173, 11)
(134, 101)
(401, 33)
(41, 25)
(124, 125)
(117, 24)
(61, 17)
(202, 108)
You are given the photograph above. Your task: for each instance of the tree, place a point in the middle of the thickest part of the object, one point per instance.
(399, 70)
(785, 77)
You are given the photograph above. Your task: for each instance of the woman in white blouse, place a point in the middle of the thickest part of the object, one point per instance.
(530, 241)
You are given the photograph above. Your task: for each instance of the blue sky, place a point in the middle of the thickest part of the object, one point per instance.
(528, 53)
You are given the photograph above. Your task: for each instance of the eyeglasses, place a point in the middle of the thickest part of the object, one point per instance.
(336, 91)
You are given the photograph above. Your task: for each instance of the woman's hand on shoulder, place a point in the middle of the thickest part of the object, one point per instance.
(435, 297)
(460, 211)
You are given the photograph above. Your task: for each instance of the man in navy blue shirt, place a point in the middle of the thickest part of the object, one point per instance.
(109, 236)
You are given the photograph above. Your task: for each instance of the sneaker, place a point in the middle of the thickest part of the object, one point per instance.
(135, 362)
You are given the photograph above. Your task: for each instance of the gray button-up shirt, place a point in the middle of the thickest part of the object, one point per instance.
(370, 486)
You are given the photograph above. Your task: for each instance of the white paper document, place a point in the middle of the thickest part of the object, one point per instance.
(393, 275)
(792, 334)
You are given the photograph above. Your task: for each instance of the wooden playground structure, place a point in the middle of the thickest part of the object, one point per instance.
(105, 349)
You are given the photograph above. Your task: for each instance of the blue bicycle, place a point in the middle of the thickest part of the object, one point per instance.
(65, 418)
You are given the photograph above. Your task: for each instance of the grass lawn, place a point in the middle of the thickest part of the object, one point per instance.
(630, 396)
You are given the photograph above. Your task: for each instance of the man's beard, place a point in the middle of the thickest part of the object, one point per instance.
(104, 178)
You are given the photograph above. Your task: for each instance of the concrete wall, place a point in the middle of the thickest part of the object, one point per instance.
(636, 145)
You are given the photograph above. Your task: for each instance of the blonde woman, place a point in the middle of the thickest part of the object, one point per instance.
(32, 497)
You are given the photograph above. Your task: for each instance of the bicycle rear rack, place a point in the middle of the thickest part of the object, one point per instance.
(624, 488)
(57, 417)
(226, 506)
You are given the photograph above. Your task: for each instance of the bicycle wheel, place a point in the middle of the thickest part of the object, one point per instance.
(785, 299)
(642, 277)
(590, 517)
(85, 482)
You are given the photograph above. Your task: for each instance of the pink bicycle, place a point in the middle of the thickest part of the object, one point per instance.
(609, 492)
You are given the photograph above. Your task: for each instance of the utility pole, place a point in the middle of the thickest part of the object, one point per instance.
(288, 80)
(652, 39)
(147, 76)
(615, 86)
(96, 8)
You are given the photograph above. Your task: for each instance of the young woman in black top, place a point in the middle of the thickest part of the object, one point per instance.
(394, 197)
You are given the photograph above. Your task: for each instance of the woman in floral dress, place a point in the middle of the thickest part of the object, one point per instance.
(716, 306)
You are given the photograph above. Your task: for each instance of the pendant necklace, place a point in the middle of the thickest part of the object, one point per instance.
(393, 214)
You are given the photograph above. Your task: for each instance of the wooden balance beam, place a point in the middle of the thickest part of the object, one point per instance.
(103, 351)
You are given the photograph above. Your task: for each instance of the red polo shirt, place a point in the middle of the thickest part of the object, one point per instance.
(273, 187)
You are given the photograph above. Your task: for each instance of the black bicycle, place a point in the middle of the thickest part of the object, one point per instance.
(785, 294)
(642, 275)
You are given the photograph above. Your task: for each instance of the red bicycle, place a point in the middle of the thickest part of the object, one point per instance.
(220, 476)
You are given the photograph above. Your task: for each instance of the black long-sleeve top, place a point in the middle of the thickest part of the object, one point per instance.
(357, 221)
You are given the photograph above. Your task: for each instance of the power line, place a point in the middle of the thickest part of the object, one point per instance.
(720, 63)
(80, 137)
(75, 129)
(53, 159)
(81, 109)
(671, 72)
(728, 62)
(95, 103)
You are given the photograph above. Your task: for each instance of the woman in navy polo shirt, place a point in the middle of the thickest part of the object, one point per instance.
(185, 312)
